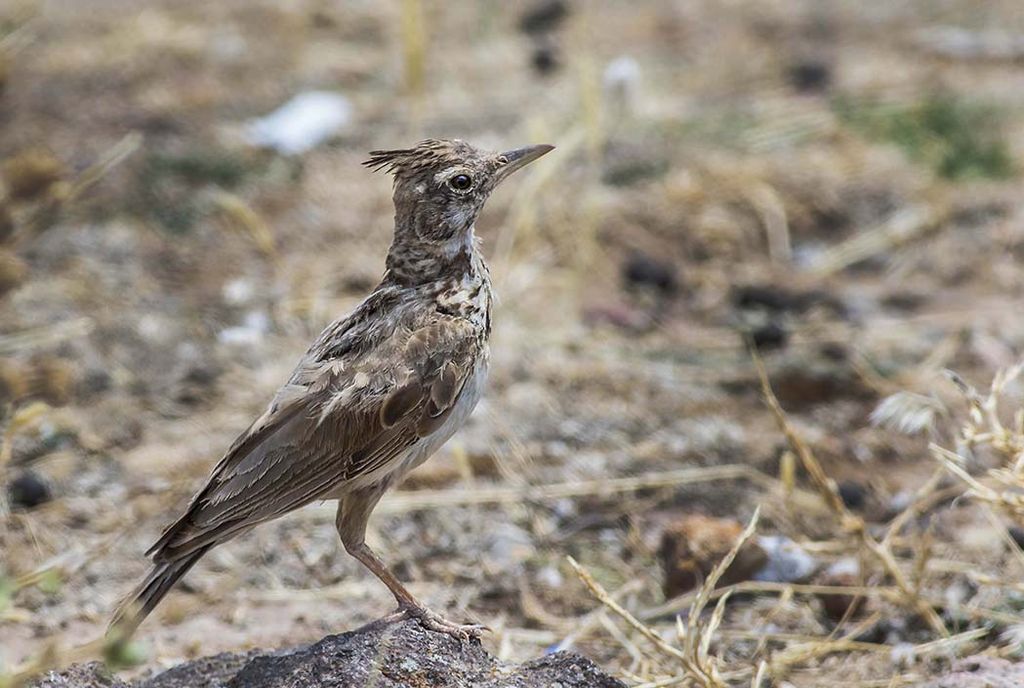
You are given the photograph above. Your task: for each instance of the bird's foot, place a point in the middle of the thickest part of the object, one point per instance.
(433, 621)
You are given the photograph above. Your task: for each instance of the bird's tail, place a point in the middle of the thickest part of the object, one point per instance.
(137, 606)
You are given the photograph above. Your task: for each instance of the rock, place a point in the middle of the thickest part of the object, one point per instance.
(853, 494)
(774, 298)
(28, 491)
(642, 270)
(809, 76)
(692, 546)
(94, 382)
(383, 655)
(93, 675)
(843, 573)
(206, 672)
(980, 671)
(543, 16)
(787, 561)
(1017, 533)
(545, 59)
(769, 336)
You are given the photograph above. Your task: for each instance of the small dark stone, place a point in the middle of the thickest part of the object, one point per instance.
(905, 301)
(545, 60)
(765, 297)
(769, 336)
(28, 490)
(543, 16)
(809, 76)
(833, 351)
(853, 494)
(95, 381)
(840, 606)
(641, 270)
(771, 297)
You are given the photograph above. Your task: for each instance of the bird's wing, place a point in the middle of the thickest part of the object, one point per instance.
(338, 419)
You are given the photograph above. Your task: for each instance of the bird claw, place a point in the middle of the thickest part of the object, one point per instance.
(432, 621)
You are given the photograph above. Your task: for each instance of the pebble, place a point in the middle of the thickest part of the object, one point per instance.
(642, 270)
(770, 336)
(853, 494)
(787, 561)
(545, 59)
(543, 16)
(28, 491)
(809, 76)
(843, 573)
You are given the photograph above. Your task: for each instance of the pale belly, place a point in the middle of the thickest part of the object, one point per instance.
(394, 471)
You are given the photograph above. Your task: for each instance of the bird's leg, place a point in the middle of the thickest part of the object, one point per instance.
(409, 606)
(353, 513)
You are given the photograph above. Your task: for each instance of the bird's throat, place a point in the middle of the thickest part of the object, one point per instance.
(412, 260)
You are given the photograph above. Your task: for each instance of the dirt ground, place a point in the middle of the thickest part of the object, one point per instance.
(837, 182)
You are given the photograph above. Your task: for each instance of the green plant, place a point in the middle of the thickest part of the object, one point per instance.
(958, 139)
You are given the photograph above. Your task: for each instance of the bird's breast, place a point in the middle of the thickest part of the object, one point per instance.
(468, 298)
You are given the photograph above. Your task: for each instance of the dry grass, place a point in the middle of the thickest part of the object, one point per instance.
(894, 579)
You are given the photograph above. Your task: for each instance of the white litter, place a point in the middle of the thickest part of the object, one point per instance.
(788, 562)
(250, 333)
(301, 124)
(621, 80)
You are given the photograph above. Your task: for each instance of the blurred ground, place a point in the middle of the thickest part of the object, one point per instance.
(837, 181)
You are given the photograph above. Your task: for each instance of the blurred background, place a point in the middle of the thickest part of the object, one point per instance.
(183, 209)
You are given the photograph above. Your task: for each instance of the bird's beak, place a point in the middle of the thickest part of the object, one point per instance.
(521, 157)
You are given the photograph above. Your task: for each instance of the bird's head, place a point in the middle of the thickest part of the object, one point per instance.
(440, 187)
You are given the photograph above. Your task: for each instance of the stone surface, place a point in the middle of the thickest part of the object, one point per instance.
(382, 655)
(981, 671)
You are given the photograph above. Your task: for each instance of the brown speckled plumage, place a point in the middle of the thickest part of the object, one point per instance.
(377, 392)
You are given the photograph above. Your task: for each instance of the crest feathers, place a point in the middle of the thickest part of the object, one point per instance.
(388, 160)
(427, 153)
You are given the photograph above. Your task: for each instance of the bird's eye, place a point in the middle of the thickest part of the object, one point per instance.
(460, 182)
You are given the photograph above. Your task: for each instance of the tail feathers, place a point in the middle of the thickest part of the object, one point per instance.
(137, 606)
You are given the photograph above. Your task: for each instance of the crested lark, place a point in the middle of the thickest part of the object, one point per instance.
(376, 394)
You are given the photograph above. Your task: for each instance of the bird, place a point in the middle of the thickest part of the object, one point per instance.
(375, 395)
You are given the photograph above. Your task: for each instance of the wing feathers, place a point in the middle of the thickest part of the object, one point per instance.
(400, 402)
(353, 419)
